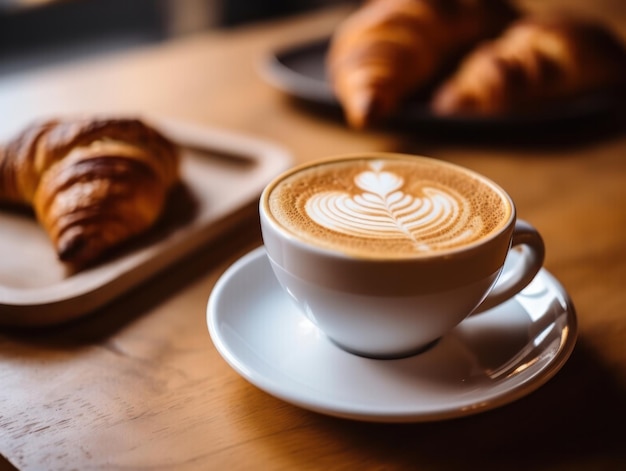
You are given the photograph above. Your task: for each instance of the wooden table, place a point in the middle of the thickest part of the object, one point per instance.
(139, 384)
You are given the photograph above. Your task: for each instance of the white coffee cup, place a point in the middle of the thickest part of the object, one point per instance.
(386, 253)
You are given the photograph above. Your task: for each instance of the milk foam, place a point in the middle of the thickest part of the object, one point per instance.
(387, 206)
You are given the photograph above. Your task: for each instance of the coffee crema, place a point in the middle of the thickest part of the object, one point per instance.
(394, 206)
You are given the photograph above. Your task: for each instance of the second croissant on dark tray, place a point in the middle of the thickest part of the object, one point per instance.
(476, 58)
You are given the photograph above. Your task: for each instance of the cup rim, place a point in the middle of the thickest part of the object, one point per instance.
(294, 239)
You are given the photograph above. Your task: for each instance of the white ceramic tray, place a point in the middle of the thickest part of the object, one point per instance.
(223, 173)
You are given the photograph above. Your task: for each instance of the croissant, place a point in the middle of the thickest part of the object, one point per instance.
(535, 61)
(91, 183)
(388, 49)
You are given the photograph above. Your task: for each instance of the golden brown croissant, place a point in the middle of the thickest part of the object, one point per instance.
(387, 49)
(535, 61)
(92, 183)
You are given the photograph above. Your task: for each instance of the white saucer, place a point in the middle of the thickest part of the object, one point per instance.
(489, 360)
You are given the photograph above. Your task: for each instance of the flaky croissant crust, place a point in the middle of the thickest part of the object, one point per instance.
(93, 183)
(534, 62)
(388, 49)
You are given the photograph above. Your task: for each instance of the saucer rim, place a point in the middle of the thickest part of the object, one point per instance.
(345, 410)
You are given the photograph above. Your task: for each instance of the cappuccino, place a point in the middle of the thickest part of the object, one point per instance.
(387, 206)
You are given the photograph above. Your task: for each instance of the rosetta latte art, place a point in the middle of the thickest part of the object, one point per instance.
(438, 218)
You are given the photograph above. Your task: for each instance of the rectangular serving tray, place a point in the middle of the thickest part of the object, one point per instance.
(223, 172)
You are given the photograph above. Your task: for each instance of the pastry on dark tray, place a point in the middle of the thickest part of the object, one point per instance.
(388, 49)
(534, 63)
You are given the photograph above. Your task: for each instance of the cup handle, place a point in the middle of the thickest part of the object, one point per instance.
(531, 253)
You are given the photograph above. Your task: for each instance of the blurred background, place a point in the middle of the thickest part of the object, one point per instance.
(36, 33)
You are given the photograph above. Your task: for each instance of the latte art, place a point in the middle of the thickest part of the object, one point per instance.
(438, 218)
(387, 207)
